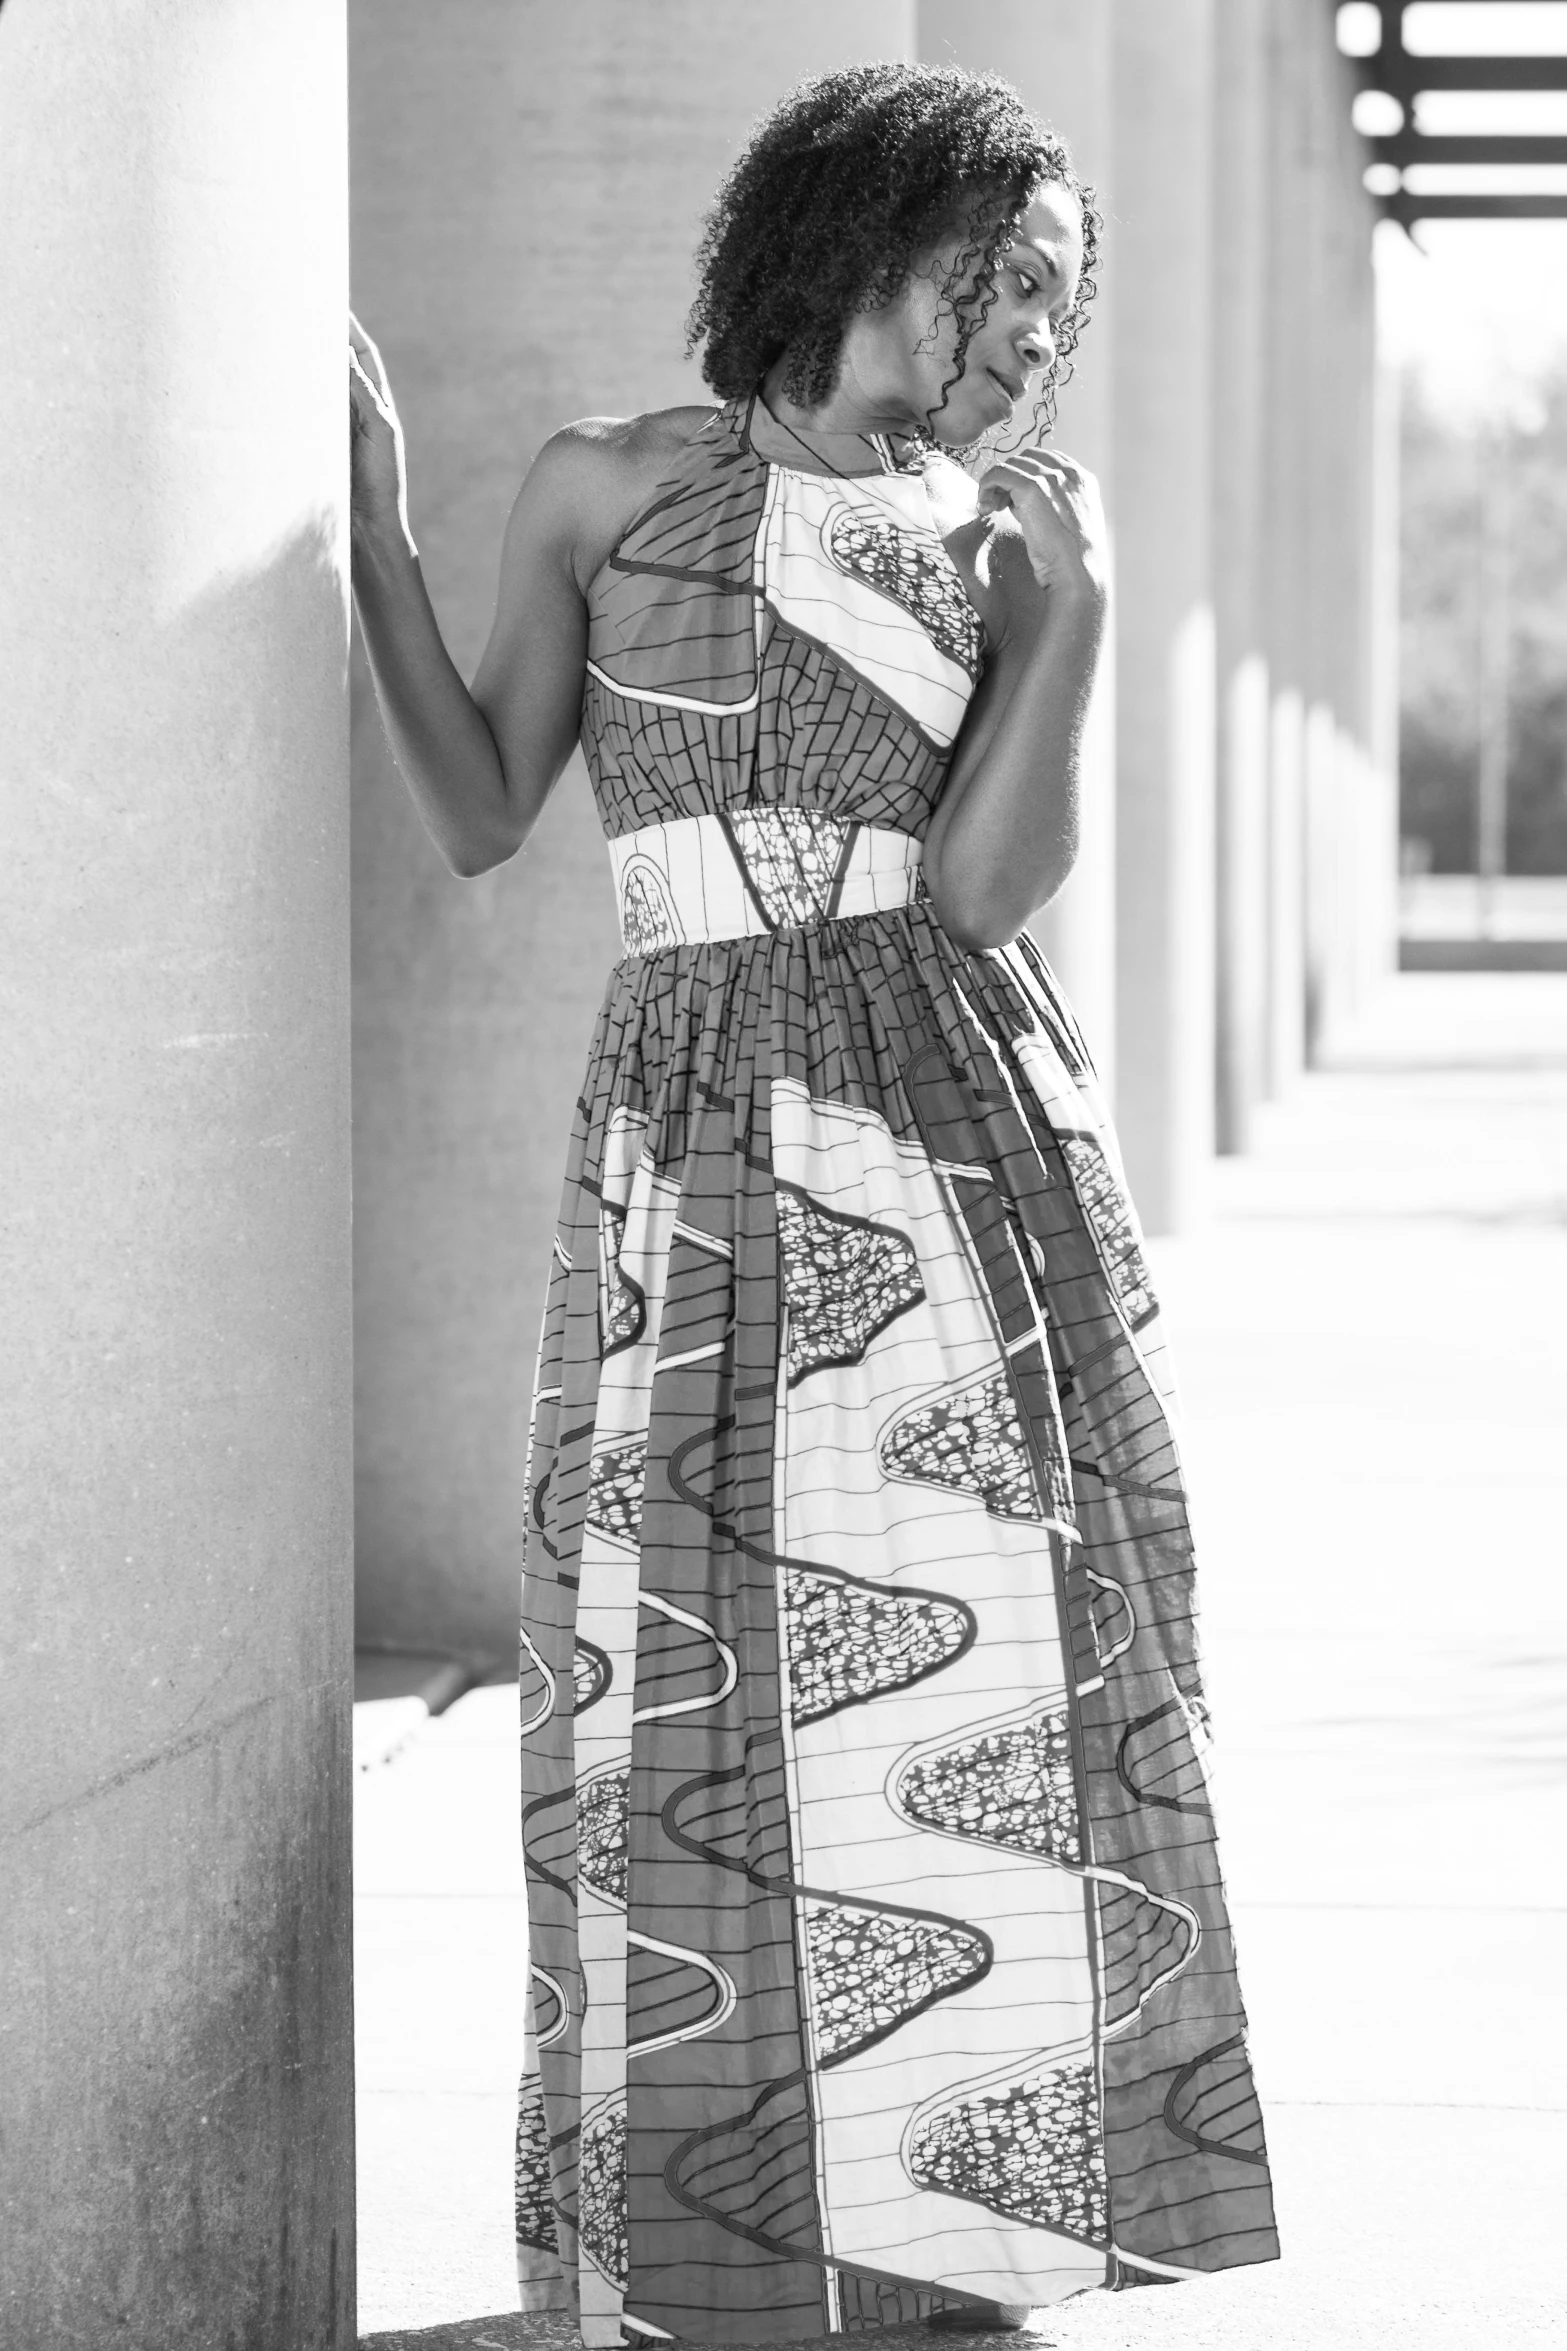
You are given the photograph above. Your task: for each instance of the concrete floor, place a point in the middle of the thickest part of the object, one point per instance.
(1370, 1332)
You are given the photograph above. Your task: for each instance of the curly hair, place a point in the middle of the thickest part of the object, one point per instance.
(841, 190)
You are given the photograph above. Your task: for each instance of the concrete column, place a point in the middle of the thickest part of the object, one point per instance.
(1163, 194)
(1291, 324)
(1242, 164)
(1286, 1040)
(1323, 816)
(1318, 455)
(1374, 721)
(1380, 948)
(1342, 374)
(1330, 865)
(177, 2164)
(1060, 57)
(528, 185)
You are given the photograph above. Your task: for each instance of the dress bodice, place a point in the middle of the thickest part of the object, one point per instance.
(767, 637)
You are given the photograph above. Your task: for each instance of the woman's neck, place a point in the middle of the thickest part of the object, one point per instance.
(842, 432)
(852, 410)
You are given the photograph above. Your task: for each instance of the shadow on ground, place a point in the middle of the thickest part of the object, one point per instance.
(509, 2332)
(514, 2332)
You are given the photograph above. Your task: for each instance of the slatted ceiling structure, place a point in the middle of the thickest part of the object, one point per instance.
(1409, 60)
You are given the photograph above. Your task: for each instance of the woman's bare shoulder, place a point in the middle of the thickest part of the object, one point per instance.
(594, 474)
(607, 455)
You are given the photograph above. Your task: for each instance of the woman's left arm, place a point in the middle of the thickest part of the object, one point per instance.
(1004, 833)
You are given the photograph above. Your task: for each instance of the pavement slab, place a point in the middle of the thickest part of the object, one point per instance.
(1368, 1329)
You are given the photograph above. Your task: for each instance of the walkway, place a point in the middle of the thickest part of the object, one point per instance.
(1371, 1338)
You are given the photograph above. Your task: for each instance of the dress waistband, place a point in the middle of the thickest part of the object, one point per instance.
(743, 872)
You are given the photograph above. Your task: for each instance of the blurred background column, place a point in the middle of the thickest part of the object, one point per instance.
(1339, 366)
(528, 188)
(1294, 27)
(1380, 838)
(1243, 170)
(1163, 205)
(1060, 55)
(1328, 579)
(1368, 826)
(176, 2170)
(1330, 359)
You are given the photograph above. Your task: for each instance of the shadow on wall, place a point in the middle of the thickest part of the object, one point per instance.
(175, 1809)
(474, 1005)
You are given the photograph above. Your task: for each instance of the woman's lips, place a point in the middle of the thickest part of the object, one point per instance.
(1012, 394)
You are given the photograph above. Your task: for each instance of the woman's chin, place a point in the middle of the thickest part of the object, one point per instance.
(959, 427)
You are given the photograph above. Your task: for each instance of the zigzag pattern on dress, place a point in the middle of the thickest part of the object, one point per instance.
(1106, 1209)
(535, 2208)
(603, 1825)
(615, 1490)
(845, 1280)
(1212, 2104)
(1010, 1784)
(622, 1300)
(971, 1441)
(1028, 2149)
(601, 2190)
(873, 1969)
(851, 1641)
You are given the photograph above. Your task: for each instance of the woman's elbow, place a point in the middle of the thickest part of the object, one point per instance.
(981, 916)
(977, 934)
(480, 853)
(471, 865)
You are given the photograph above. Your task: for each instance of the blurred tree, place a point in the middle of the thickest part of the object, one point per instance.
(1441, 492)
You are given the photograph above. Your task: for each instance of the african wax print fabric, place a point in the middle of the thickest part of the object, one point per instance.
(880, 1956)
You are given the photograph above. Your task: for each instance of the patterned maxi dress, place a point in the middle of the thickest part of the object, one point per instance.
(880, 1957)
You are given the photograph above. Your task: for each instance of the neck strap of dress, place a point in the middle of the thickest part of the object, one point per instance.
(879, 444)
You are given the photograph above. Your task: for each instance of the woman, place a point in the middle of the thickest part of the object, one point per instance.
(881, 1968)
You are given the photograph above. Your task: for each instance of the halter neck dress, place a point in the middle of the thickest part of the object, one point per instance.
(880, 1956)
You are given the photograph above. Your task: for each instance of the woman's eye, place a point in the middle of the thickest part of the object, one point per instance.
(1027, 282)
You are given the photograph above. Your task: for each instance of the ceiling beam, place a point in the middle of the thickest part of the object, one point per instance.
(1397, 71)
(1404, 207)
(1404, 76)
(1420, 147)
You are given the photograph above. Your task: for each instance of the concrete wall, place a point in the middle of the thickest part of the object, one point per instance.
(176, 2167)
(528, 182)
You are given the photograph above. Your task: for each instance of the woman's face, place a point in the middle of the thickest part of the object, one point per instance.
(904, 355)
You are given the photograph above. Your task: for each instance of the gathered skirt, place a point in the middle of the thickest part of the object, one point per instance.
(880, 1956)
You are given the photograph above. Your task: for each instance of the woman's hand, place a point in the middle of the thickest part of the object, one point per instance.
(378, 464)
(1059, 513)
(1004, 832)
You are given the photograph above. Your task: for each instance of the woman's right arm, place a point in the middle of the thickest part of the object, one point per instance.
(479, 764)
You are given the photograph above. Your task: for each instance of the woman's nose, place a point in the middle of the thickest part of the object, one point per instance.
(1036, 347)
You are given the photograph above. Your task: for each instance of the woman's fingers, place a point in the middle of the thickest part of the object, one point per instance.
(369, 392)
(1043, 472)
(1045, 462)
(1042, 462)
(1008, 483)
(367, 353)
